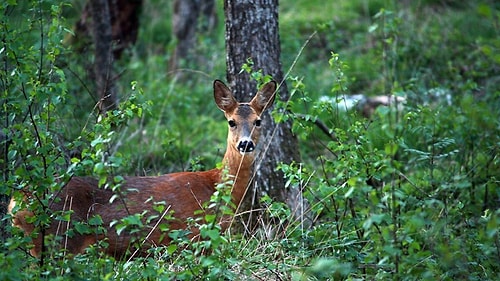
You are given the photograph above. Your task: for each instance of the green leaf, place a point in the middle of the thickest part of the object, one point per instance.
(372, 28)
(349, 192)
(209, 218)
(82, 228)
(171, 249)
(95, 220)
(391, 148)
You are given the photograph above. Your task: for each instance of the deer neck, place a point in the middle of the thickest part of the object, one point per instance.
(239, 168)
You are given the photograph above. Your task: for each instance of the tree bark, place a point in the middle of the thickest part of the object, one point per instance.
(252, 32)
(189, 17)
(103, 59)
(124, 17)
(4, 198)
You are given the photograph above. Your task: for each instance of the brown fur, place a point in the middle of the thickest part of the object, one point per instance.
(183, 193)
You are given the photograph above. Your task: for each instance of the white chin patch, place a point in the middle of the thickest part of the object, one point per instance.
(248, 151)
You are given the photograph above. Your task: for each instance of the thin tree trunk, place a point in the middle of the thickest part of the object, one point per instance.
(190, 17)
(103, 60)
(252, 33)
(4, 198)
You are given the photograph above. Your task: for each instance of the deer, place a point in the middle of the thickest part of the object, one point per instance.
(183, 193)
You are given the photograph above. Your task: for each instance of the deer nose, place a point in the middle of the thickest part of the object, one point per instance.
(246, 146)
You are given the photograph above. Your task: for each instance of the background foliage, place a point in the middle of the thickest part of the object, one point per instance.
(408, 194)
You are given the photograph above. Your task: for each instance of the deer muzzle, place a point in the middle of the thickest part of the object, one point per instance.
(246, 146)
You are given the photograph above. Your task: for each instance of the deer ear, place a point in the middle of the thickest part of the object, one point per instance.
(223, 97)
(264, 97)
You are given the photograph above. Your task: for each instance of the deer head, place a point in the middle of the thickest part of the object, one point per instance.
(244, 119)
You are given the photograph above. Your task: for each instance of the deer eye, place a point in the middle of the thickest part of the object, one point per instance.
(231, 123)
(258, 122)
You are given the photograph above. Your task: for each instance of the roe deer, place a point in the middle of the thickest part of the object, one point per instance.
(183, 193)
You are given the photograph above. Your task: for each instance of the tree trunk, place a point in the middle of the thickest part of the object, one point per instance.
(4, 198)
(103, 60)
(124, 17)
(252, 32)
(189, 17)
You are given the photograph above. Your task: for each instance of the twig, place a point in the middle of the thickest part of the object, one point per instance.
(324, 128)
(150, 232)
